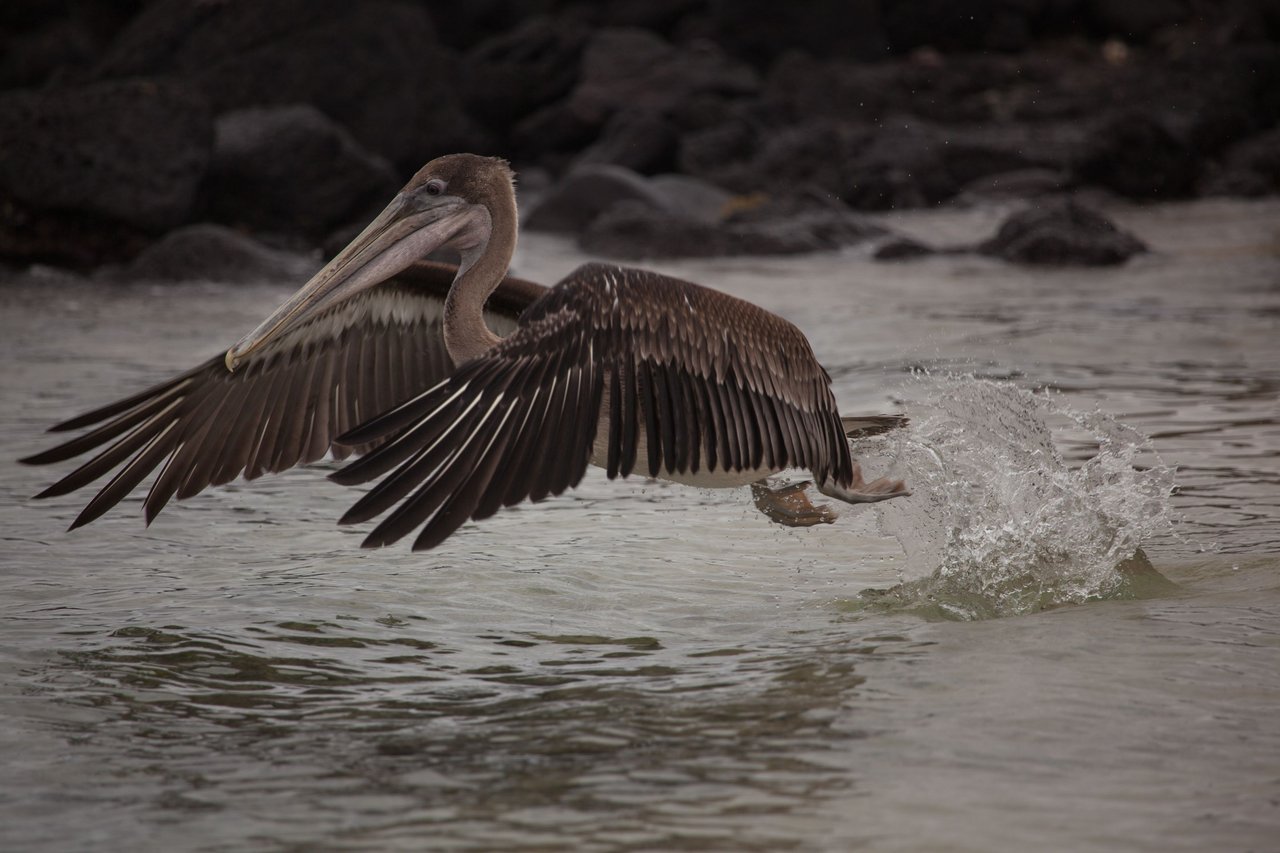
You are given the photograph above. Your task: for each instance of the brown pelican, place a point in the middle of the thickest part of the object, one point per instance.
(623, 368)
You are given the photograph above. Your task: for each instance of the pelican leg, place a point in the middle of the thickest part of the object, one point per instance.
(860, 491)
(789, 505)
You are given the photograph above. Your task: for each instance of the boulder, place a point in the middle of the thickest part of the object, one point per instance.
(292, 169)
(87, 172)
(1004, 25)
(133, 151)
(588, 191)
(1017, 183)
(1250, 167)
(512, 74)
(1135, 154)
(1061, 233)
(1136, 20)
(584, 194)
(751, 29)
(901, 248)
(209, 252)
(632, 70)
(374, 67)
(640, 141)
(634, 230)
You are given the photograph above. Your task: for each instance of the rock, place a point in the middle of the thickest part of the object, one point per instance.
(635, 230)
(691, 197)
(1136, 155)
(215, 253)
(508, 76)
(1136, 20)
(642, 142)
(751, 30)
(974, 25)
(1018, 183)
(632, 70)
(1061, 234)
(588, 191)
(292, 169)
(902, 249)
(86, 172)
(1250, 167)
(374, 67)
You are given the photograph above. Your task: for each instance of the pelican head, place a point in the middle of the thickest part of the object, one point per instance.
(449, 203)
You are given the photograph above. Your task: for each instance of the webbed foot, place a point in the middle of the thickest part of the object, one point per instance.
(789, 505)
(860, 491)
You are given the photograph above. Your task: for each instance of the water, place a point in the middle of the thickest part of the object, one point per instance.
(641, 667)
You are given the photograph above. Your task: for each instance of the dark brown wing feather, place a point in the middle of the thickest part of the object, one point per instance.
(282, 407)
(702, 379)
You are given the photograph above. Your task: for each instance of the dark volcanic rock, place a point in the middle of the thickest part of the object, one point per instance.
(972, 25)
(375, 67)
(130, 151)
(1136, 20)
(214, 253)
(902, 249)
(1251, 167)
(514, 73)
(87, 172)
(1061, 233)
(585, 193)
(588, 191)
(635, 230)
(900, 163)
(1136, 155)
(643, 142)
(631, 70)
(758, 31)
(292, 169)
(1018, 183)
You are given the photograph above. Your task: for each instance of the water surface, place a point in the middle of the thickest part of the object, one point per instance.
(636, 666)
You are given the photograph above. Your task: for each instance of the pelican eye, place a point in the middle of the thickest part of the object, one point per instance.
(435, 186)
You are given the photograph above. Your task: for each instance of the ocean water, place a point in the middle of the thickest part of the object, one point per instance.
(1068, 638)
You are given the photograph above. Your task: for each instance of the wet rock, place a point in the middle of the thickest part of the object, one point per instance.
(85, 172)
(753, 31)
(900, 163)
(1061, 233)
(635, 230)
(585, 193)
(973, 25)
(640, 141)
(1250, 167)
(1136, 20)
(1136, 155)
(902, 249)
(631, 70)
(588, 191)
(292, 169)
(1018, 183)
(512, 74)
(210, 252)
(691, 197)
(403, 106)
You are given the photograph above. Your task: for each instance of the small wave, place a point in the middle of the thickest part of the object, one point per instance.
(999, 521)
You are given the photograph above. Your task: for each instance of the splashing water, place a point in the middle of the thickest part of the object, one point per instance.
(999, 523)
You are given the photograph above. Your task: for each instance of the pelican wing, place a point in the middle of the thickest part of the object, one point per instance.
(687, 379)
(282, 406)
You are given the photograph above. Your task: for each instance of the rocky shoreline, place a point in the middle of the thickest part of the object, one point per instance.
(253, 131)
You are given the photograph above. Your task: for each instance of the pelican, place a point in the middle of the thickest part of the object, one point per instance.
(397, 360)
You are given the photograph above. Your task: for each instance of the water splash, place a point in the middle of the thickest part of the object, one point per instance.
(999, 522)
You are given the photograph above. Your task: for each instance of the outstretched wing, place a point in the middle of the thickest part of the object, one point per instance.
(281, 407)
(682, 377)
